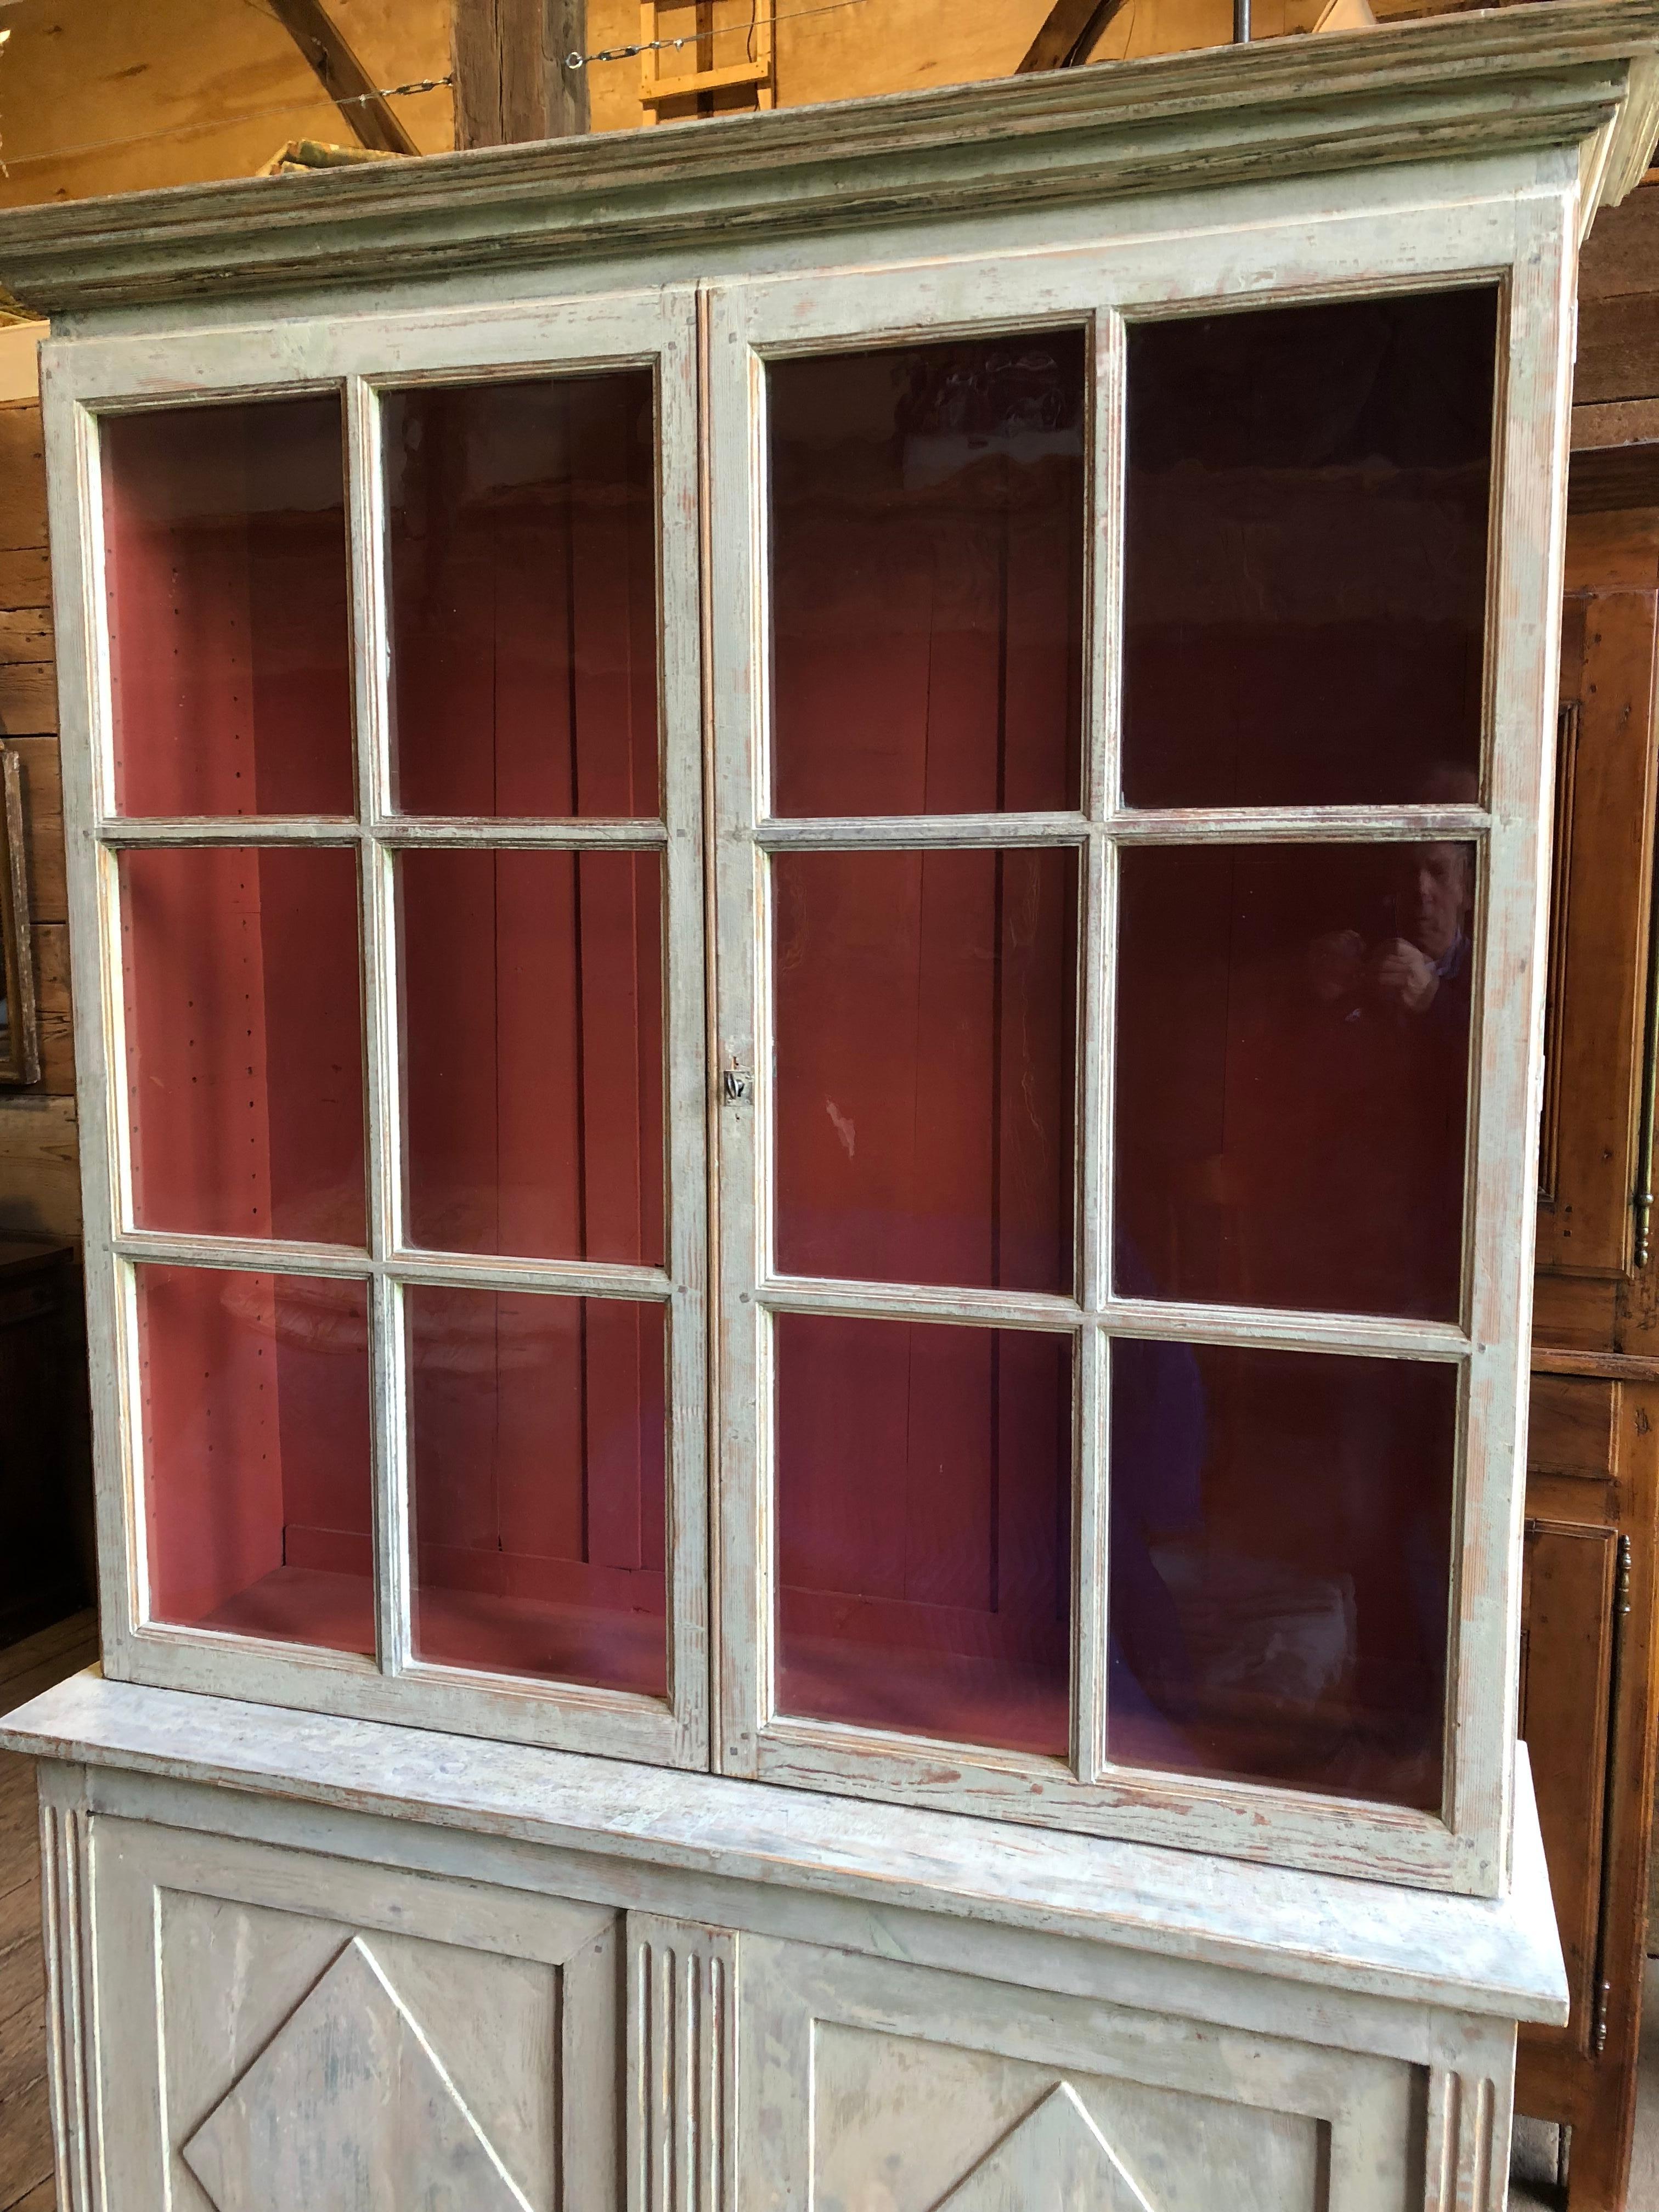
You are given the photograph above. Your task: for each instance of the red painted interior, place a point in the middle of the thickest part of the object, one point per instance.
(533, 1053)
(925, 1020)
(928, 558)
(521, 535)
(924, 1513)
(523, 562)
(1305, 552)
(538, 1432)
(229, 634)
(254, 1396)
(928, 552)
(524, 602)
(244, 1080)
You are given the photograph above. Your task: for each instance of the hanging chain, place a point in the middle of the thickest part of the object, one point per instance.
(573, 61)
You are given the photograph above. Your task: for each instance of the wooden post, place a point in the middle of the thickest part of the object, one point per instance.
(511, 79)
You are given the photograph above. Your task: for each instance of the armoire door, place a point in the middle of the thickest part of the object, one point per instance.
(1110, 1406)
(1588, 1696)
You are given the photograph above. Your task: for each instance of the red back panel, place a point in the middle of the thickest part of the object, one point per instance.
(522, 544)
(256, 1454)
(228, 617)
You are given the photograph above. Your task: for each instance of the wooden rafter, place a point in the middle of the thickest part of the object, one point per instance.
(1069, 35)
(342, 76)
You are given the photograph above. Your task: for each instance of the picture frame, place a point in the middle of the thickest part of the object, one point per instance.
(20, 1028)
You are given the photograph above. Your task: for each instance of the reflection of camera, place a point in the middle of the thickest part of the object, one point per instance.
(1345, 972)
(1336, 967)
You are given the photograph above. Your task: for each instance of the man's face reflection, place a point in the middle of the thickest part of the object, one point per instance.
(1435, 895)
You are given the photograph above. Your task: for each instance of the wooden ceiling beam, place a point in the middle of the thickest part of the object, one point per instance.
(342, 76)
(512, 84)
(1068, 34)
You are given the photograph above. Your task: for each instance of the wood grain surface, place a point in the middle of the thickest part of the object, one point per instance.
(26, 2164)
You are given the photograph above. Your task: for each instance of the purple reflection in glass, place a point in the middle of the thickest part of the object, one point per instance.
(924, 1530)
(1281, 1545)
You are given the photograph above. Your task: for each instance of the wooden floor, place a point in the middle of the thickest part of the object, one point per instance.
(1532, 2175)
(1644, 2162)
(26, 2182)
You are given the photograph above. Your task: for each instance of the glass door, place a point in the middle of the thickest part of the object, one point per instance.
(397, 805)
(1107, 872)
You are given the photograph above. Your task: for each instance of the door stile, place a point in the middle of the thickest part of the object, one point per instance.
(688, 993)
(741, 1073)
(393, 1533)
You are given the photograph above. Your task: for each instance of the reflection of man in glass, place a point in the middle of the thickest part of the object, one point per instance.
(1375, 1079)
(1433, 957)
(1425, 962)
(1158, 1445)
(1420, 963)
(1346, 1101)
(1394, 1018)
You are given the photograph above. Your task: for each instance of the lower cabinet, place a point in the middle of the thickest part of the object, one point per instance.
(282, 2032)
(321, 2013)
(874, 2084)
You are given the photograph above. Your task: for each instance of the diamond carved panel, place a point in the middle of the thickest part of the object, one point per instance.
(1055, 2160)
(349, 2109)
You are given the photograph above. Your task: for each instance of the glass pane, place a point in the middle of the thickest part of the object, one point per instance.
(1293, 1075)
(924, 1530)
(533, 1052)
(229, 622)
(257, 1492)
(927, 545)
(1280, 1545)
(522, 549)
(1305, 553)
(538, 1432)
(245, 1071)
(924, 1009)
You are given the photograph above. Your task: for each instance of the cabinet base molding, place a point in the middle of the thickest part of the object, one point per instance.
(297, 1961)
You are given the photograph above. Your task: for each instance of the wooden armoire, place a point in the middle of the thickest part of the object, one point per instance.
(809, 862)
(1589, 1689)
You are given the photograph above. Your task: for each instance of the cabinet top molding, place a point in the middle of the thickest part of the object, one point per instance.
(1580, 74)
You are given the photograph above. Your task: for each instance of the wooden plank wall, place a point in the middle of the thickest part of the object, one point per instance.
(118, 99)
(40, 1187)
(842, 49)
(1616, 383)
(112, 100)
(26, 2165)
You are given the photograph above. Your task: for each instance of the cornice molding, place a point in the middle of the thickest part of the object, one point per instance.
(1569, 73)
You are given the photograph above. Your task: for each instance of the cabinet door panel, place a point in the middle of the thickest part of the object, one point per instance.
(1570, 1430)
(1601, 899)
(869, 2083)
(279, 2029)
(1566, 1681)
